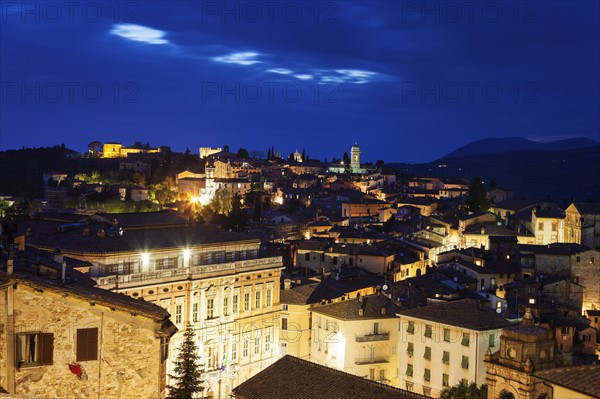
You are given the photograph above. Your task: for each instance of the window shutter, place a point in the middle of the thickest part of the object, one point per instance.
(46, 348)
(87, 344)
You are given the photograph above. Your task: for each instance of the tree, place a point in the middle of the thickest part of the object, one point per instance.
(465, 390)
(389, 224)
(188, 372)
(94, 147)
(257, 208)
(237, 218)
(243, 153)
(346, 159)
(478, 201)
(379, 164)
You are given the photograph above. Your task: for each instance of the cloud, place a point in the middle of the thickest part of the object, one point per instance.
(303, 76)
(139, 33)
(356, 75)
(245, 58)
(281, 71)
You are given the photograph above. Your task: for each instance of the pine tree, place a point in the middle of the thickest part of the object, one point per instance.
(478, 201)
(188, 372)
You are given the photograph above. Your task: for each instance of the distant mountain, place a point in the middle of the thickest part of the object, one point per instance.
(500, 145)
(560, 175)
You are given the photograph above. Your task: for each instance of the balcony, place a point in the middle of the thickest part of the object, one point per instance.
(193, 273)
(371, 360)
(373, 337)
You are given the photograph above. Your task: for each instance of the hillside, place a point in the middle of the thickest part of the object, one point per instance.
(508, 144)
(535, 174)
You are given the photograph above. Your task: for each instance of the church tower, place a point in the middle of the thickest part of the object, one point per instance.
(355, 158)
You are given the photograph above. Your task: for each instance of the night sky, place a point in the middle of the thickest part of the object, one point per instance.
(408, 80)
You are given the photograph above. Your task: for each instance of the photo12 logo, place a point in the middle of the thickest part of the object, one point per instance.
(68, 92)
(268, 92)
(269, 12)
(55, 12)
(469, 92)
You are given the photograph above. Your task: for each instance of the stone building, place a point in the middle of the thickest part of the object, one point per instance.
(216, 280)
(60, 337)
(582, 224)
(525, 367)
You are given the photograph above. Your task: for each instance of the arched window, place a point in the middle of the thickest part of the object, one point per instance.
(506, 395)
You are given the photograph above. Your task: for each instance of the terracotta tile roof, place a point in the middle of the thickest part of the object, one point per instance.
(584, 379)
(465, 313)
(294, 378)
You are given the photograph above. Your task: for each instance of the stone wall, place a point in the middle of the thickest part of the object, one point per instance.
(129, 363)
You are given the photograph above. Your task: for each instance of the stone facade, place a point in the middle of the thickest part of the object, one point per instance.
(128, 360)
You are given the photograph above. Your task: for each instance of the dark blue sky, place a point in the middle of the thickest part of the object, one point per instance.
(408, 80)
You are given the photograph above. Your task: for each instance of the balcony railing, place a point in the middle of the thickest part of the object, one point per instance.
(371, 360)
(194, 272)
(373, 337)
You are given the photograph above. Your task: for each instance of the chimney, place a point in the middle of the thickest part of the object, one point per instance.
(287, 284)
(57, 256)
(64, 271)
(383, 311)
(527, 317)
(361, 312)
(101, 233)
(10, 268)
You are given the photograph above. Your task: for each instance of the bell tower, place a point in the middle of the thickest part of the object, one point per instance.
(355, 158)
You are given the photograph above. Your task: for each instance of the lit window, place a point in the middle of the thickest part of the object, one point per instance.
(225, 306)
(269, 297)
(234, 307)
(210, 308)
(246, 301)
(178, 314)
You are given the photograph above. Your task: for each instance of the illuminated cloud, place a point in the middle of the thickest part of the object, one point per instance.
(303, 77)
(139, 33)
(355, 75)
(245, 58)
(281, 71)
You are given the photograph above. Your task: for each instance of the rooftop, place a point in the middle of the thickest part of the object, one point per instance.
(294, 378)
(464, 313)
(372, 308)
(584, 379)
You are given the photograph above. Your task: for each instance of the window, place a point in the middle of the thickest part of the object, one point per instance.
(411, 327)
(578, 259)
(382, 375)
(87, 344)
(257, 300)
(234, 304)
(335, 260)
(284, 323)
(225, 306)
(284, 307)
(245, 348)
(446, 334)
(465, 339)
(465, 362)
(492, 340)
(371, 374)
(268, 339)
(257, 343)
(307, 256)
(269, 298)
(445, 380)
(428, 330)
(195, 312)
(540, 225)
(210, 308)
(409, 370)
(410, 349)
(246, 301)
(375, 328)
(164, 349)
(234, 351)
(427, 354)
(427, 375)
(178, 314)
(34, 349)
(446, 357)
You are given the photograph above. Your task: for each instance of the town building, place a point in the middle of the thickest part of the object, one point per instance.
(445, 343)
(214, 279)
(61, 337)
(358, 336)
(117, 150)
(582, 224)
